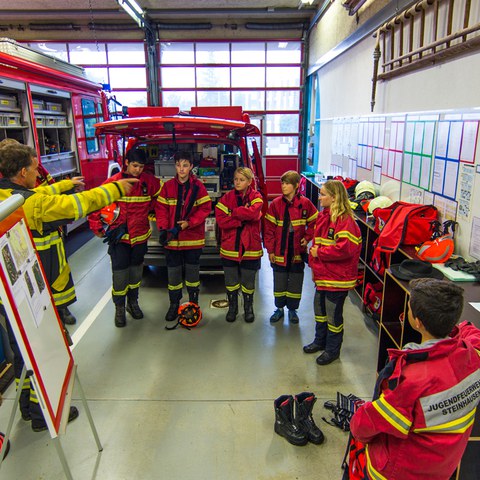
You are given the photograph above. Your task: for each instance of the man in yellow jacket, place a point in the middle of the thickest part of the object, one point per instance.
(44, 211)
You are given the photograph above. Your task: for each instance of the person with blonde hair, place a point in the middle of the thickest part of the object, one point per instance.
(334, 262)
(238, 215)
(289, 227)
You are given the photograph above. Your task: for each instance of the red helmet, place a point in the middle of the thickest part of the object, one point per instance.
(189, 316)
(436, 251)
(109, 213)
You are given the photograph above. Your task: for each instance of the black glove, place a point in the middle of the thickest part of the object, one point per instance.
(162, 237)
(175, 230)
(112, 237)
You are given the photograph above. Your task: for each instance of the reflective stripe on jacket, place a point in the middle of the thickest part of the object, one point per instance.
(302, 217)
(239, 220)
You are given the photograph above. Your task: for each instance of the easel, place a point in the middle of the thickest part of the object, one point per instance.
(53, 388)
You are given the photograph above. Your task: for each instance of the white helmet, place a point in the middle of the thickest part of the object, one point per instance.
(379, 202)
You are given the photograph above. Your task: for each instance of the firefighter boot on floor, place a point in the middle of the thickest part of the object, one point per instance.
(304, 403)
(284, 421)
(120, 317)
(232, 306)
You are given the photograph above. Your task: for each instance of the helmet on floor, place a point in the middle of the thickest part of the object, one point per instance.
(189, 316)
(109, 213)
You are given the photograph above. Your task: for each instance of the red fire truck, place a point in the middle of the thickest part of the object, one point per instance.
(51, 105)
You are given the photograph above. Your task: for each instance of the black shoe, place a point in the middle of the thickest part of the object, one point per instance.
(120, 318)
(41, 426)
(292, 316)
(312, 348)
(277, 315)
(325, 358)
(66, 316)
(172, 313)
(134, 310)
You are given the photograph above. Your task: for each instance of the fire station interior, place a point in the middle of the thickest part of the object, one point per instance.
(199, 403)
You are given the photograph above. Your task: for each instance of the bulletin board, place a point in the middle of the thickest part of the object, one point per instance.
(26, 296)
(431, 157)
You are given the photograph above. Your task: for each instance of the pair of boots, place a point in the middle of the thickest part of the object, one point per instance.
(133, 308)
(172, 313)
(233, 307)
(294, 421)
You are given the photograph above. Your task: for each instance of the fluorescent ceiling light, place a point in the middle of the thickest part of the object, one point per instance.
(134, 10)
(307, 2)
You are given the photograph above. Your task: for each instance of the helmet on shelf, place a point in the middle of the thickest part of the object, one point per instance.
(436, 251)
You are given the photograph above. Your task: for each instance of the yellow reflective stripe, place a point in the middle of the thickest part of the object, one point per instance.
(229, 253)
(134, 285)
(459, 425)
(192, 284)
(280, 259)
(33, 396)
(44, 243)
(313, 217)
(335, 329)
(253, 253)
(294, 295)
(202, 200)
(143, 199)
(120, 293)
(64, 297)
(140, 238)
(334, 283)
(232, 288)
(279, 294)
(299, 222)
(175, 287)
(162, 200)
(223, 208)
(187, 243)
(374, 475)
(321, 318)
(26, 383)
(256, 200)
(324, 241)
(271, 218)
(392, 416)
(247, 290)
(349, 236)
(280, 223)
(297, 257)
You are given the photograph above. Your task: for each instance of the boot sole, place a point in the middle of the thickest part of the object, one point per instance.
(136, 317)
(299, 443)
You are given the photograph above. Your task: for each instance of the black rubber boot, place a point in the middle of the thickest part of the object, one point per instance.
(193, 296)
(66, 316)
(120, 317)
(134, 309)
(232, 306)
(304, 403)
(172, 313)
(284, 421)
(248, 307)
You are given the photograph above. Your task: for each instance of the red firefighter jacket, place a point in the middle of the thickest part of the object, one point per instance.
(238, 218)
(301, 219)
(336, 266)
(419, 426)
(189, 201)
(134, 209)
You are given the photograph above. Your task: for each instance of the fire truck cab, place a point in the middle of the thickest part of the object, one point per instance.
(220, 139)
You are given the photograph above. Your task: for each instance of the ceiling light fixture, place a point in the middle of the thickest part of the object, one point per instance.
(134, 10)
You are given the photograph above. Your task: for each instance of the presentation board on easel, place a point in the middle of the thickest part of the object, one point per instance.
(27, 299)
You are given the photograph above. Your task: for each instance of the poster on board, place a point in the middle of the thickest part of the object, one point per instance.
(27, 299)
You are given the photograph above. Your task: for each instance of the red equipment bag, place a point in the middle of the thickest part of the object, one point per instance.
(373, 298)
(354, 462)
(400, 224)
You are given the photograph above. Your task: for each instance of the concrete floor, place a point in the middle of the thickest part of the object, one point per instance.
(191, 404)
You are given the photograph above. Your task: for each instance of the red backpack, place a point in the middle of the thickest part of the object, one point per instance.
(401, 223)
(355, 462)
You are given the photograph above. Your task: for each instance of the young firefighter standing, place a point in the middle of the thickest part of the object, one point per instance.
(289, 227)
(128, 235)
(43, 212)
(183, 206)
(238, 215)
(334, 263)
(428, 393)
